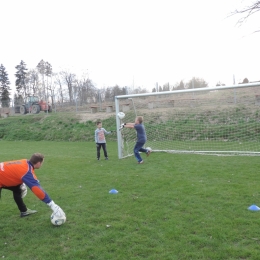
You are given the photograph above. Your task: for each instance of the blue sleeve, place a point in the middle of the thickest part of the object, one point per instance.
(35, 187)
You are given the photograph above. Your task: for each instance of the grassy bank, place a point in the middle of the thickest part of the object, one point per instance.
(52, 127)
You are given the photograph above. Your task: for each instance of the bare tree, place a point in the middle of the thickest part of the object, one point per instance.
(58, 81)
(52, 86)
(196, 82)
(85, 90)
(45, 69)
(48, 73)
(32, 80)
(80, 90)
(219, 83)
(247, 11)
(166, 87)
(41, 69)
(69, 79)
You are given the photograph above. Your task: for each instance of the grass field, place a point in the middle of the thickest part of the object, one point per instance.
(171, 207)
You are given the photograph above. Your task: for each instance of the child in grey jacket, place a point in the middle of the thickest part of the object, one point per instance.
(101, 140)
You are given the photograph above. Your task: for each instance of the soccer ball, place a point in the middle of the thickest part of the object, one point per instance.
(57, 220)
(149, 148)
(121, 115)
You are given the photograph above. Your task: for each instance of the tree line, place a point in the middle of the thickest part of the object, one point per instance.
(56, 87)
(66, 87)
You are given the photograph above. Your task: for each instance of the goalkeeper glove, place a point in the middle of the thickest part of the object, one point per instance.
(56, 209)
(23, 190)
(122, 126)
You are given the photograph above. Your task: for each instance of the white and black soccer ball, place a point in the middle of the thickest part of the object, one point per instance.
(149, 149)
(121, 115)
(58, 220)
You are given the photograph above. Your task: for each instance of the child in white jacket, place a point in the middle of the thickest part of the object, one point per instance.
(101, 140)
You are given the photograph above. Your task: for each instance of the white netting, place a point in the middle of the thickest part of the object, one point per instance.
(213, 122)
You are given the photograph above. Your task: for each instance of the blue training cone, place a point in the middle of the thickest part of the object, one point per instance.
(254, 208)
(113, 191)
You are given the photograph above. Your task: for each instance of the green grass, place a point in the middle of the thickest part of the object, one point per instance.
(235, 125)
(52, 127)
(171, 207)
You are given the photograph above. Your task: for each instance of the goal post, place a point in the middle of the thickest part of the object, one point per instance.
(220, 120)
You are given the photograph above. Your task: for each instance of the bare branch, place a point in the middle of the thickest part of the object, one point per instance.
(247, 12)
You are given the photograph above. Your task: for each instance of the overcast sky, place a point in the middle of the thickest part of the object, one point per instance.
(128, 42)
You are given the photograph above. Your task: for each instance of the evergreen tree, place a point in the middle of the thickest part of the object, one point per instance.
(181, 86)
(48, 69)
(41, 67)
(18, 99)
(20, 75)
(4, 87)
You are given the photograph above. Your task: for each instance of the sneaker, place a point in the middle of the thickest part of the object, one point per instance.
(148, 153)
(141, 162)
(28, 212)
(98, 159)
(106, 158)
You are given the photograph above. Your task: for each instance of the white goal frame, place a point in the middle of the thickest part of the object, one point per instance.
(117, 109)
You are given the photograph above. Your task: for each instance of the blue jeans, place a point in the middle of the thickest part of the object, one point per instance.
(139, 148)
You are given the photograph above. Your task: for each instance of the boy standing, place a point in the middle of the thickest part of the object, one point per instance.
(101, 140)
(141, 138)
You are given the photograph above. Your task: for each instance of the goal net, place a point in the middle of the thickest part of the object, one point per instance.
(221, 120)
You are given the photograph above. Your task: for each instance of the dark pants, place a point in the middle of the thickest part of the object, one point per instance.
(104, 147)
(17, 197)
(139, 148)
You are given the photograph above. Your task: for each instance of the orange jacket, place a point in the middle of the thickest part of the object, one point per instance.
(14, 173)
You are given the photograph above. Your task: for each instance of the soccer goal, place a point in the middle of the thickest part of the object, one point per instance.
(221, 120)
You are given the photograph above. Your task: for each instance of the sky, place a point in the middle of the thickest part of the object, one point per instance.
(132, 42)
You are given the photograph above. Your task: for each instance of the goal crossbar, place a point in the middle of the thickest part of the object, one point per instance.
(257, 84)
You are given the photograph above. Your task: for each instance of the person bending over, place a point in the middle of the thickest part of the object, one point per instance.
(17, 175)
